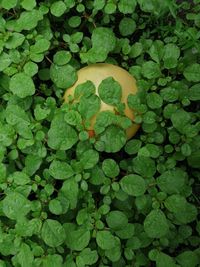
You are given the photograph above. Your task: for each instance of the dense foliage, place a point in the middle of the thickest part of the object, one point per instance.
(69, 200)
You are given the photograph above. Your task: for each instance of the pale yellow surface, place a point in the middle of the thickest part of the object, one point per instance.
(100, 71)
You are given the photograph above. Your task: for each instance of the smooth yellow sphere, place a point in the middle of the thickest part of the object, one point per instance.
(100, 71)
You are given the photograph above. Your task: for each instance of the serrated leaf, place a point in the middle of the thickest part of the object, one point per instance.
(164, 260)
(22, 85)
(188, 258)
(126, 6)
(106, 143)
(53, 233)
(58, 8)
(110, 91)
(171, 55)
(89, 159)
(116, 220)
(61, 135)
(89, 106)
(192, 73)
(52, 261)
(155, 224)
(20, 178)
(60, 170)
(77, 239)
(144, 166)
(5, 61)
(70, 190)
(15, 205)
(110, 168)
(105, 240)
(133, 185)
(25, 256)
(172, 181)
(151, 70)
(89, 256)
(63, 76)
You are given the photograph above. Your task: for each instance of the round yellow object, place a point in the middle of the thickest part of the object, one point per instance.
(100, 71)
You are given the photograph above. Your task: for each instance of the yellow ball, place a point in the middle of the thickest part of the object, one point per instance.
(100, 71)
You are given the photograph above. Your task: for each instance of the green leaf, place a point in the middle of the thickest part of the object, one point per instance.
(194, 159)
(127, 26)
(191, 73)
(133, 185)
(136, 50)
(29, 19)
(61, 135)
(22, 85)
(103, 120)
(40, 46)
(2, 172)
(110, 91)
(28, 4)
(188, 258)
(41, 113)
(175, 202)
(187, 214)
(20, 178)
(58, 8)
(114, 254)
(116, 220)
(98, 4)
(126, 6)
(32, 163)
(194, 92)
(133, 146)
(180, 118)
(164, 260)
(106, 143)
(70, 190)
(171, 55)
(172, 181)
(52, 261)
(74, 21)
(156, 51)
(7, 134)
(5, 61)
(110, 8)
(57, 206)
(25, 256)
(105, 240)
(103, 42)
(110, 168)
(60, 170)
(169, 94)
(144, 166)
(15, 206)
(72, 117)
(154, 100)
(8, 4)
(155, 224)
(151, 70)
(63, 76)
(89, 159)
(30, 68)
(126, 232)
(183, 211)
(77, 239)
(88, 256)
(89, 106)
(53, 233)
(62, 57)
(84, 89)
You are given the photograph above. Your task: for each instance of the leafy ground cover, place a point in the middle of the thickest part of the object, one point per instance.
(68, 200)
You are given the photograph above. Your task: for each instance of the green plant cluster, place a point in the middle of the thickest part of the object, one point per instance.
(68, 200)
